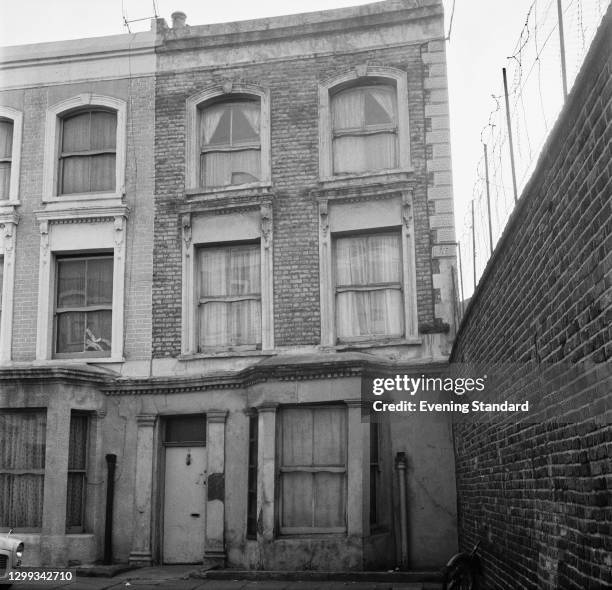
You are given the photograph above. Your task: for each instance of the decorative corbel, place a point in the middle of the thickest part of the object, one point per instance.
(324, 217)
(119, 226)
(44, 239)
(361, 70)
(266, 224)
(186, 228)
(407, 208)
(7, 232)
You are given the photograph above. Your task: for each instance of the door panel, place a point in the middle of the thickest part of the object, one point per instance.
(184, 505)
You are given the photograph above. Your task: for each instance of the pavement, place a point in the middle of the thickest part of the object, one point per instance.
(180, 577)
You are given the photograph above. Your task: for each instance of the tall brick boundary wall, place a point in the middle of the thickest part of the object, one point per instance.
(538, 492)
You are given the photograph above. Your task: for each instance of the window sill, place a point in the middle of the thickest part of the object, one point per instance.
(80, 197)
(225, 354)
(243, 190)
(342, 180)
(361, 344)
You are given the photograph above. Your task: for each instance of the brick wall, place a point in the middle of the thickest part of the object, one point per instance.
(537, 492)
(294, 152)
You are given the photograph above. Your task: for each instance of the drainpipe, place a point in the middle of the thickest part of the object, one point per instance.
(400, 465)
(111, 461)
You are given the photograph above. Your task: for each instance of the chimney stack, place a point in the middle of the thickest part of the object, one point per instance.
(179, 20)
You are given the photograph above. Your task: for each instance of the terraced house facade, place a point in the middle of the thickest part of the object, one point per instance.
(212, 236)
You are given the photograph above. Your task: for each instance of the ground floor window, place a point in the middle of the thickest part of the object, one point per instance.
(252, 480)
(22, 468)
(312, 450)
(77, 471)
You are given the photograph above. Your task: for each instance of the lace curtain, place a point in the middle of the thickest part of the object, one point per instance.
(22, 464)
(364, 125)
(229, 139)
(88, 152)
(230, 296)
(369, 299)
(6, 151)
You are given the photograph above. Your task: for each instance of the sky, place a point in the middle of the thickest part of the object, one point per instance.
(483, 35)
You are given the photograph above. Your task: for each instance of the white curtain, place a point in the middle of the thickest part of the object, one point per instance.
(6, 149)
(22, 463)
(363, 110)
(369, 261)
(230, 296)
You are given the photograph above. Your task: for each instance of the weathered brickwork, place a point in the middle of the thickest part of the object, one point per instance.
(294, 138)
(537, 491)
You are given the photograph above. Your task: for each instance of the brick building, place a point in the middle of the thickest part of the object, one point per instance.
(212, 236)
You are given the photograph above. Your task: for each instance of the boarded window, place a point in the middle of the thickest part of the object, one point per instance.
(22, 468)
(230, 147)
(186, 430)
(252, 480)
(369, 298)
(374, 470)
(88, 152)
(364, 129)
(229, 299)
(6, 153)
(77, 471)
(83, 313)
(312, 464)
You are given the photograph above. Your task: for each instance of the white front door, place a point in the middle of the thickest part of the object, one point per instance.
(184, 505)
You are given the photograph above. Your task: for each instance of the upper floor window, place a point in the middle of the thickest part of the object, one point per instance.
(229, 302)
(363, 122)
(85, 144)
(230, 145)
(6, 157)
(87, 154)
(227, 138)
(83, 312)
(364, 128)
(369, 294)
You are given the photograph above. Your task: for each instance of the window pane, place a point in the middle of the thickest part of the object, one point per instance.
(71, 332)
(245, 123)
(329, 494)
(216, 124)
(22, 448)
(6, 138)
(365, 260)
(1, 279)
(98, 331)
(214, 325)
(297, 443)
(76, 133)
(356, 153)
(297, 500)
(71, 283)
(379, 106)
(74, 500)
(100, 281)
(245, 321)
(329, 436)
(373, 313)
(231, 168)
(102, 169)
(5, 180)
(245, 265)
(213, 272)
(103, 130)
(77, 448)
(75, 175)
(184, 429)
(347, 109)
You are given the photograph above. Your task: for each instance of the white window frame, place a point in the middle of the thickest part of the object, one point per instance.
(70, 233)
(8, 227)
(17, 118)
(363, 75)
(197, 231)
(53, 127)
(403, 220)
(228, 92)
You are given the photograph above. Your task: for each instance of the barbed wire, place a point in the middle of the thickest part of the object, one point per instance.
(536, 98)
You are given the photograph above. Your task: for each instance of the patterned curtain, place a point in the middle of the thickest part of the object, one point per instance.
(22, 464)
(230, 296)
(369, 299)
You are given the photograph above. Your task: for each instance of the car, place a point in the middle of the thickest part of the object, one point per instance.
(11, 554)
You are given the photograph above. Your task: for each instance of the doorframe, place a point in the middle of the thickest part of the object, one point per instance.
(160, 480)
